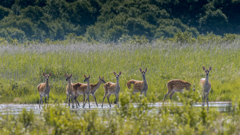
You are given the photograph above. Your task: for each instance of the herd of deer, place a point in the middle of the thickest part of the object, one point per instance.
(74, 90)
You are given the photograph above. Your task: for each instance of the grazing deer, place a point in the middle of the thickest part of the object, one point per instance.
(44, 89)
(139, 86)
(71, 90)
(206, 86)
(93, 88)
(112, 88)
(177, 85)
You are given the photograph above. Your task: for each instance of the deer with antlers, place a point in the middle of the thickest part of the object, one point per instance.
(176, 85)
(44, 89)
(139, 86)
(204, 82)
(112, 88)
(71, 90)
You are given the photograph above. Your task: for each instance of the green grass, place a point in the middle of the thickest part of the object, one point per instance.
(21, 68)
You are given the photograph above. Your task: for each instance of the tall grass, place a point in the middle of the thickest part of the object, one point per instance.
(21, 67)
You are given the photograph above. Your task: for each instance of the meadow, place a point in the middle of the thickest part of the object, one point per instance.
(21, 68)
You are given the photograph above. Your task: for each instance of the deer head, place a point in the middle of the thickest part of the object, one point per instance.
(86, 78)
(102, 79)
(68, 77)
(47, 76)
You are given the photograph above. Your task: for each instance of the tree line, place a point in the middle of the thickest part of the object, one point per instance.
(109, 20)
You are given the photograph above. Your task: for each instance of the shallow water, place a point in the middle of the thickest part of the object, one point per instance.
(17, 108)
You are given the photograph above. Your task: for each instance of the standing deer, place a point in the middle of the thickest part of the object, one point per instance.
(177, 85)
(44, 89)
(84, 89)
(93, 88)
(206, 86)
(139, 86)
(112, 88)
(71, 90)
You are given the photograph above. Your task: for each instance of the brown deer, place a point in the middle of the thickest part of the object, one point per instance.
(71, 90)
(177, 85)
(93, 88)
(139, 86)
(112, 88)
(206, 86)
(84, 89)
(44, 89)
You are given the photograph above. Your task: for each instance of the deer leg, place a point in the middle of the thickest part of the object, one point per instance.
(40, 100)
(145, 93)
(77, 103)
(207, 102)
(108, 99)
(88, 99)
(95, 99)
(47, 98)
(171, 95)
(83, 100)
(166, 95)
(116, 95)
(203, 99)
(72, 101)
(103, 99)
(69, 101)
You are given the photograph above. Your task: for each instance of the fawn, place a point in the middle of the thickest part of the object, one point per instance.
(93, 89)
(44, 88)
(71, 90)
(112, 88)
(177, 85)
(139, 86)
(84, 89)
(206, 86)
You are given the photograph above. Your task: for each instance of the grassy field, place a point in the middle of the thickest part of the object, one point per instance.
(21, 68)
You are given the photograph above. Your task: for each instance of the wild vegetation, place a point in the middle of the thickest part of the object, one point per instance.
(22, 66)
(127, 119)
(180, 57)
(109, 20)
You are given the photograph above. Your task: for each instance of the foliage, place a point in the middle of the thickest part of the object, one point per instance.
(109, 20)
(134, 116)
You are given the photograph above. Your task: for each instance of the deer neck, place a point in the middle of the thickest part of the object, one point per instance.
(206, 80)
(69, 82)
(47, 83)
(118, 83)
(88, 85)
(144, 80)
(96, 86)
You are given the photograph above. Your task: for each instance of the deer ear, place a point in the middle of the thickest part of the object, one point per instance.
(210, 68)
(50, 74)
(140, 69)
(114, 73)
(120, 73)
(71, 75)
(43, 74)
(99, 77)
(146, 70)
(89, 76)
(203, 68)
(103, 77)
(85, 76)
(66, 75)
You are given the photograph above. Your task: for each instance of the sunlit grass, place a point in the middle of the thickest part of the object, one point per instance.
(21, 68)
